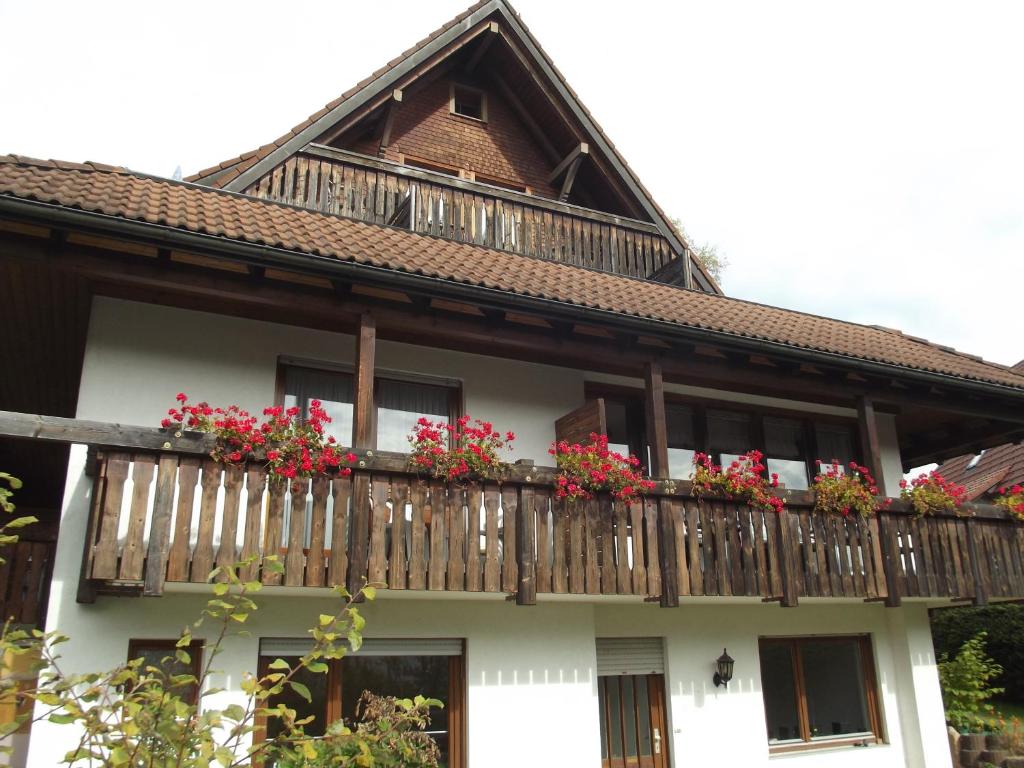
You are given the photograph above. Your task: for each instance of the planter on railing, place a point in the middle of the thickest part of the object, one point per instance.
(163, 516)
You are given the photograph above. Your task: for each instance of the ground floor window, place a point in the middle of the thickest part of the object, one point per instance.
(400, 668)
(819, 689)
(163, 655)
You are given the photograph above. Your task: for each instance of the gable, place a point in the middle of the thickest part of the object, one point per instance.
(488, 41)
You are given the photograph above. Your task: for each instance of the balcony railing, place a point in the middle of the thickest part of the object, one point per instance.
(172, 516)
(431, 203)
(25, 580)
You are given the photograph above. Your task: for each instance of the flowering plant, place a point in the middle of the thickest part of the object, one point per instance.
(459, 451)
(844, 491)
(291, 447)
(930, 493)
(742, 480)
(1012, 499)
(593, 468)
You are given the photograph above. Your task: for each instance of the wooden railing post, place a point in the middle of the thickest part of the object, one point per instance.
(787, 558)
(869, 442)
(363, 439)
(890, 561)
(526, 528)
(657, 440)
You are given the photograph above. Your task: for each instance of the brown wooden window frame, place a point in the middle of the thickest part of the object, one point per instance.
(701, 405)
(195, 651)
(453, 87)
(456, 399)
(456, 704)
(871, 694)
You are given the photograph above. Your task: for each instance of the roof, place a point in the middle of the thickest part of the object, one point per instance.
(997, 467)
(119, 193)
(226, 174)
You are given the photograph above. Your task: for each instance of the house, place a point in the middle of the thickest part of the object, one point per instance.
(455, 234)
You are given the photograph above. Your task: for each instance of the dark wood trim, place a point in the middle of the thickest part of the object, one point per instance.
(871, 450)
(482, 47)
(363, 411)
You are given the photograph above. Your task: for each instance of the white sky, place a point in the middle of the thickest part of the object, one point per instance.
(863, 160)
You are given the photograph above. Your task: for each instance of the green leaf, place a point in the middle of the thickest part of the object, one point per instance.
(279, 664)
(317, 666)
(300, 689)
(21, 522)
(221, 588)
(370, 592)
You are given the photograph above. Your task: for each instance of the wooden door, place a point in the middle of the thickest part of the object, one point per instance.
(634, 731)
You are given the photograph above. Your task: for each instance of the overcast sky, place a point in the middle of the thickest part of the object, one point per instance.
(859, 160)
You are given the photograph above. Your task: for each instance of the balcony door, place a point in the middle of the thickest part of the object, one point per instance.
(631, 703)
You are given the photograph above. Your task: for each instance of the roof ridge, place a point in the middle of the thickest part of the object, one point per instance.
(604, 303)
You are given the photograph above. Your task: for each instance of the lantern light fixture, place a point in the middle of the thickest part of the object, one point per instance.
(723, 669)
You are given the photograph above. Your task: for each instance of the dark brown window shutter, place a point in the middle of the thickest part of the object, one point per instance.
(575, 427)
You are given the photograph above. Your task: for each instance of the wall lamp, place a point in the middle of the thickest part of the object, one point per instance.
(723, 669)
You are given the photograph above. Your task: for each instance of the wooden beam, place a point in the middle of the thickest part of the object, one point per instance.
(363, 428)
(524, 114)
(481, 48)
(570, 178)
(580, 150)
(388, 122)
(867, 421)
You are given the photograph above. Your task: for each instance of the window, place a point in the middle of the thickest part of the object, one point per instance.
(819, 690)
(784, 451)
(728, 435)
(682, 440)
(400, 668)
(400, 401)
(468, 102)
(161, 654)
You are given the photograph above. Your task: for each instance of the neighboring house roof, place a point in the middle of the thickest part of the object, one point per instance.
(116, 192)
(239, 172)
(998, 467)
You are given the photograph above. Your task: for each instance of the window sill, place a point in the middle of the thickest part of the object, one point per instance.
(817, 747)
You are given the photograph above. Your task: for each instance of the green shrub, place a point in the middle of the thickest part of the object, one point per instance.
(1004, 625)
(966, 685)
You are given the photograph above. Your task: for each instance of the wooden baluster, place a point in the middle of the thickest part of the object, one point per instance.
(378, 564)
(652, 526)
(890, 563)
(693, 554)
(680, 534)
(492, 567)
(132, 552)
(438, 556)
(317, 533)
(202, 556)
(459, 549)
(295, 560)
(474, 573)
(337, 569)
(278, 487)
(577, 517)
(757, 519)
(786, 538)
(417, 537)
(636, 525)
(605, 545)
(227, 553)
(178, 557)
(359, 532)
(623, 575)
(511, 513)
(526, 567)
(160, 530)
(255, 484)
(561, 546)
(545, 527)
(396, 562)
(732, 526)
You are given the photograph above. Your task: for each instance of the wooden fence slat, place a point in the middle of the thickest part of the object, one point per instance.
(652, 525)
(543, 514)
(277, 487)
(474, 569)
(202, 556)
(133, 551)
(315, 564)
(623, 574)
(693, 551)
(577, 574)
(746, 525)
(438, 556)
(255, 484)
(160, 529)
(492, 566)
(636, 529)
(359, 533)
(397, 566)
(379, 515)
(295, 560)
(682, 533)
(179, 556)
(337, 569)
(668, 569)
(510, 520)
(458, 514)
(417, 537)
(605, 545)
(227, 552)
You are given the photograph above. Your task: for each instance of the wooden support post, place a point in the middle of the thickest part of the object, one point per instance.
(580, 150)
(869, 442)
(526, 592)
(387, 122)
(363, 429)
(570, 177)
(787, 556)
(657, 439)
(980, 596)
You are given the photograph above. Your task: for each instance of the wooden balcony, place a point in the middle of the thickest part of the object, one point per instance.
(431, 203)
(172, 516)
(25, 579)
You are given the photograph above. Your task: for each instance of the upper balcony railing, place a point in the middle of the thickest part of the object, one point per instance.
(432, 203)
(172, 516)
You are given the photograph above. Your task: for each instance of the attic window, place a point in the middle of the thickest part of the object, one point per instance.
(469, 102)
(974, 461)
